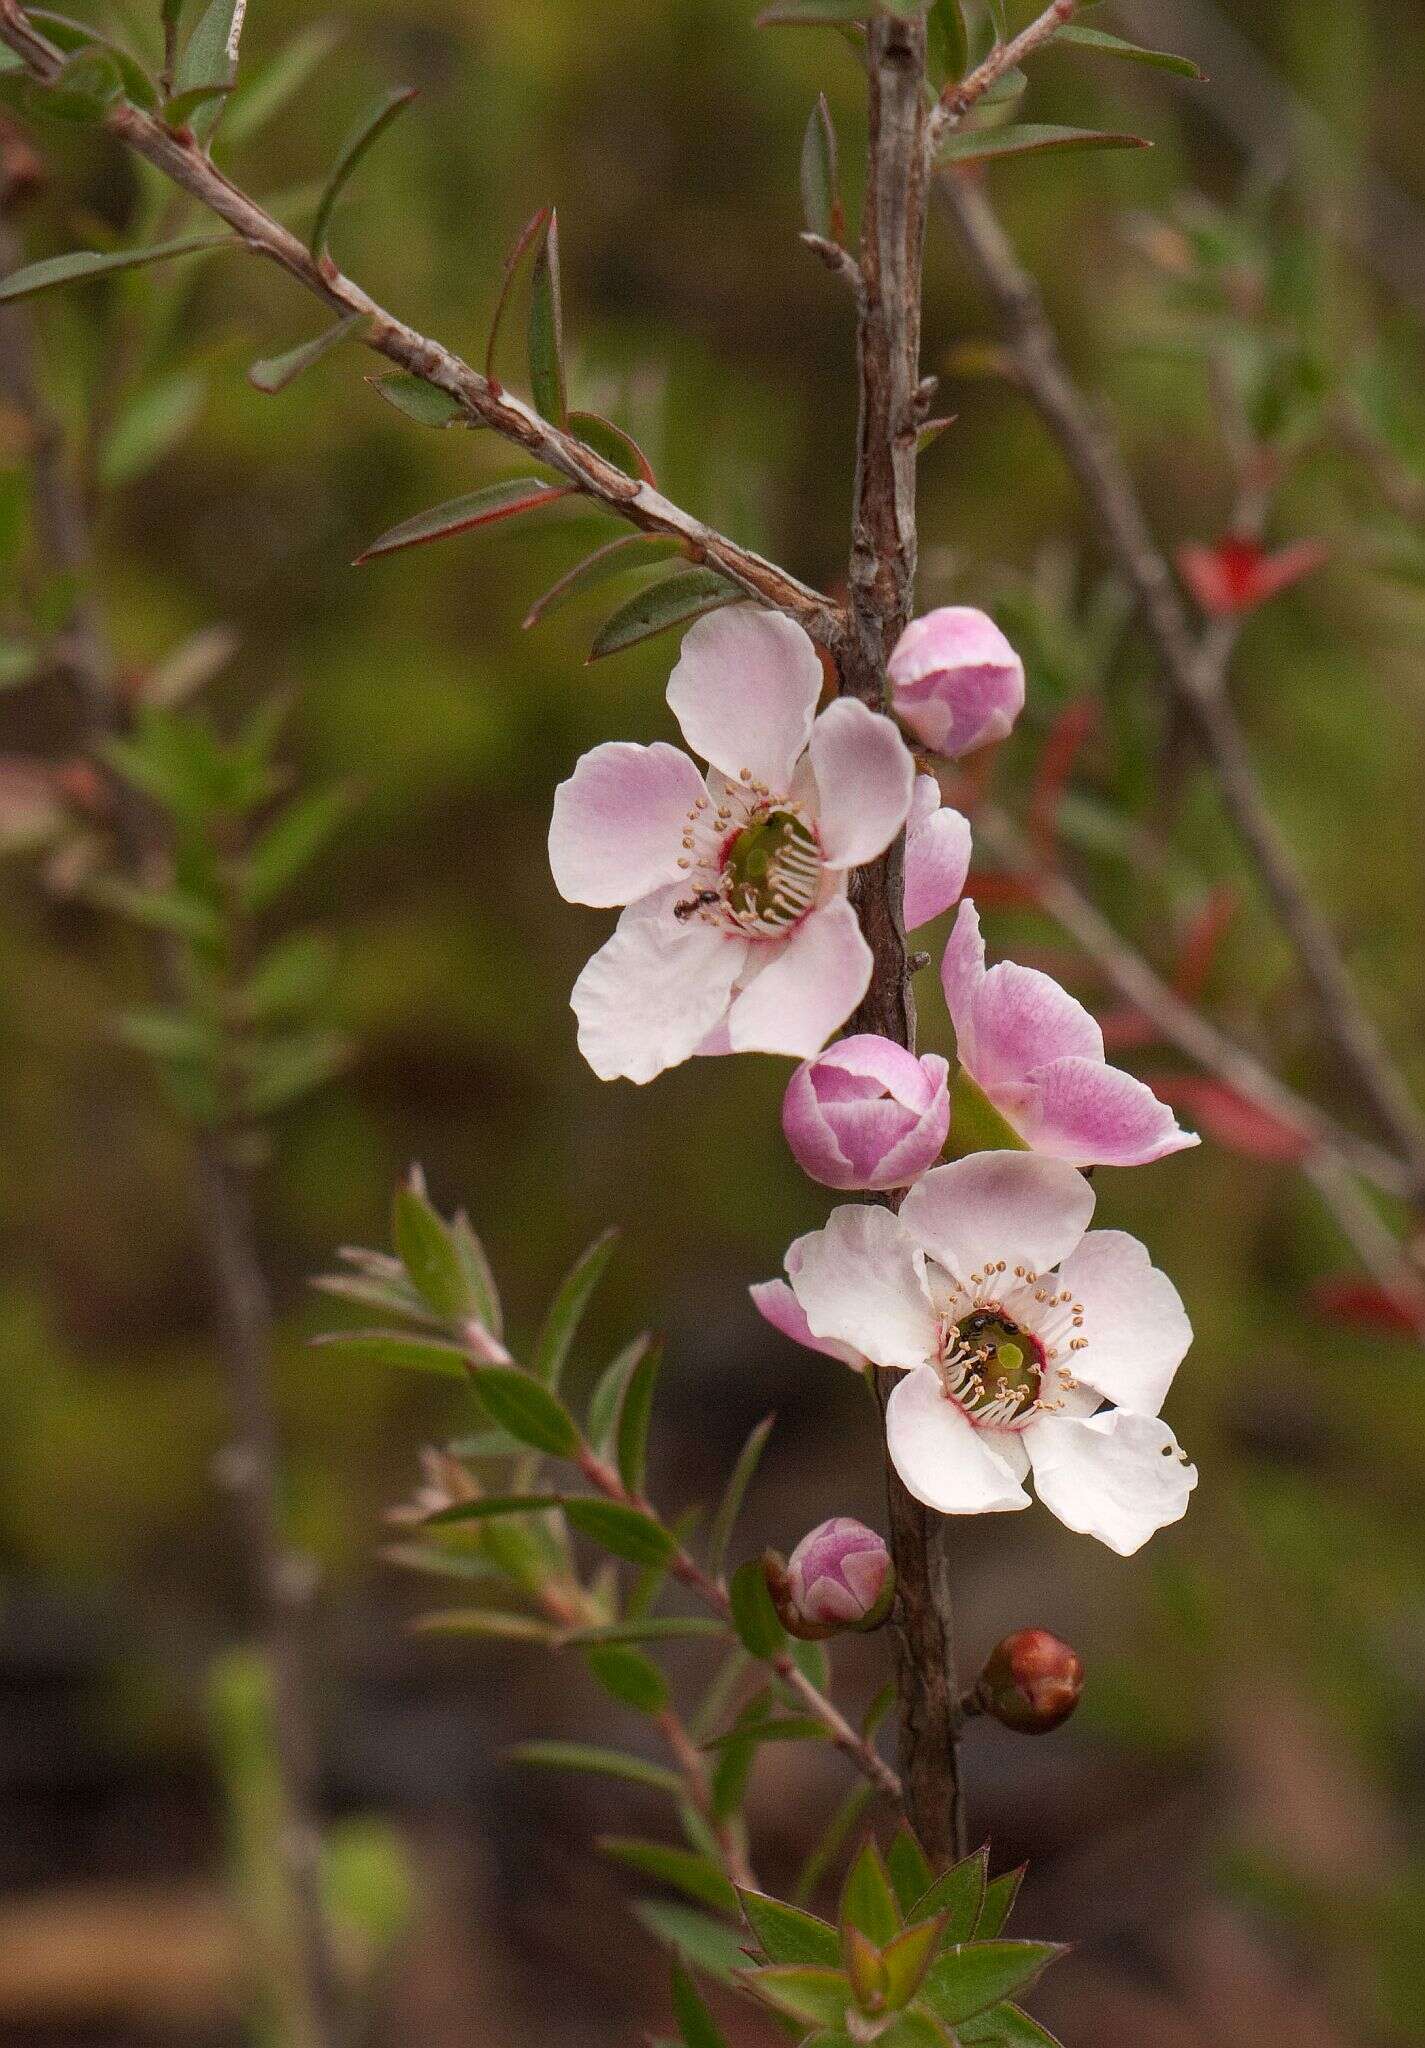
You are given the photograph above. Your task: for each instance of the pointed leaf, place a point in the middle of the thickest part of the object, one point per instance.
(528, 236)
(425, 403)
(699, 2028)
(635, 1415)
(74, 36)
(788, 1935)
(770, 1728)
(373, 123)
(681, 1868)
(83, 264)
(427, 1251)
(291, 842)
(907, 1958)
(652, 1628)
(867, 1900)
(673, 601)
(490, 1506)
(958, 1896)
(181, 109)
(608, 1393)
(209, 57)
(395, 1347)
(1005, 2026)
(753, 1615)
(275, 373)
(966, 1981)
(479, 1280)
(605, 1763)
(818, 1997)
(517, 1402)
(566, 1311)
(624, 1531)
(1114, 46)
(864, 1968)
(949, 46)
(613, 443)
(491, 1622)
(1000, 1895)
(485, 507)
(710, 1945)
(546, 330)
(910, 1874)
(820, 180)
(1028, 138)
(628, 1676)
(615, 558)
(730, 1506)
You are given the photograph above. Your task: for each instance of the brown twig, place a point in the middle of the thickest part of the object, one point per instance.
(180, 158)
(1104, 478)
(957, 99)
(278, 1584)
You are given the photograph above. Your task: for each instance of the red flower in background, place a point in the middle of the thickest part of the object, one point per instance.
(1236, 574)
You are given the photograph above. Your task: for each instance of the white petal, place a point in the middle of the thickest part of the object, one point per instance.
(618, 821)
(999, 1205)
(775, 1301)
(808, 988)
(860, 1282)
(1137, 1329)
(941, 1457)
(1117, 1476)
(864, 773)
(745, 690)
(937, 861)
(654, 991)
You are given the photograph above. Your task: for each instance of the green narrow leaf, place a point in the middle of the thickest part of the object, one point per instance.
(837, 1832)
(821, 187)
(518, 1403)
(209, 58)
(395, 1347)
(604, 1763)
(906, 1959)
(959, 1895)
(635, 1415)
(1115, 46)
(284, 1069)
(566, 1311)
(72, 36)
(425, 403)
(930, 433)
(730, 1506)
(87, 85)
(608, 1393)
(546, 329)
(426, 1249)
(524, 241)
(769, 1728)
(291, 842)
(613, 443)
(1028, 138)
(485, 507)
(813, 1660)
(685, 1871)
(817, 1997)
(650, 1628)
(258, 101)
(493, 1622)
(697, 2025)
(1000, 1895)
(615, 558)
(864, 1967)
(166, 1035)
(83, 264)
(910, 1874)
(999, 15)
(493, 1506)
(1005, 2026)
(628, 1676)
(372, 124)
(949, 46)
(734, 1758)
(275, 373)
(966, 1981)
(867, 1900)
(624, 1531)
(785, 1934)
(288, 978)
(709, 1945)
(479, 1280)
(753, 1615)
(672, 601)
(180, 110)
(159, 910)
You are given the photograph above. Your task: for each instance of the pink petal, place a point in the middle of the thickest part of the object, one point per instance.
(864, 772)
(618, 822)
(654, 991)
(955, 680)
(860, 1282)
(807, 990)
(962, 969)
(775, 1301)
(1137, 1329)
(1013, 1206)
(937, 862)
(1022, 1019)
(1095, 1115)
(1117, 1476)
(871, 1062)
(745, 690)
(941, 1457)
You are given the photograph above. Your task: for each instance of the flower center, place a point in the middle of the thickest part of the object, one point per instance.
(992, 1367)
(753, 861)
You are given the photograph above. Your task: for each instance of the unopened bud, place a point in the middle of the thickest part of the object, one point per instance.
(839, 1577)
(1031, 1682)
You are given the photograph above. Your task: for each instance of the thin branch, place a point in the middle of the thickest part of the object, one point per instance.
(957, 99)
(279, 1585)
(1104, 478)
(180, 158)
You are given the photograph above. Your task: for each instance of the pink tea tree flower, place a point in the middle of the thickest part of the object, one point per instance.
(867, 1114)
(1038, 1055)
(839, 1577)
(1013, 1328)
(937, 854)
(955, 680)
(737, 934)
(776, 1302)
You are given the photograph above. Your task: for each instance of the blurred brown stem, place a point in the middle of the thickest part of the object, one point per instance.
(278, 1584)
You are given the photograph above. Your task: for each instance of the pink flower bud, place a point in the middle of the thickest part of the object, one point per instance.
(840, 1576)
(867, 1114)
(956, 681)
(1031, 1682)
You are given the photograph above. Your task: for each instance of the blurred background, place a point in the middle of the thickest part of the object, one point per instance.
(1232, 1830)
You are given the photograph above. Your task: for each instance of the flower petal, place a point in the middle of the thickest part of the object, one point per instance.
(937, 862)
(864, 773)
(1022, 1020)
(744, 691)
(653, 991)
(1137, 1329)
(775, 1301)
(859, 1281)
(1014, 1206)
(941, 1457)
(809, 987)
(618, 821)
(1116, 1476)
(1096, 1115)
(962, 969)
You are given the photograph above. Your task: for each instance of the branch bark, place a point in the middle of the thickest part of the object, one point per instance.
(1106, 483)
(882, 589)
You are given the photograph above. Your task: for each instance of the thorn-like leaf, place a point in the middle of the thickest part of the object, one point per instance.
(546, 329)
(275, 373)
(524, 241)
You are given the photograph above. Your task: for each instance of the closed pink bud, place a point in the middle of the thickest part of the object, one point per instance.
(956, 681)
(840, 1576)
(867, 1114)
(1031, 1682)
